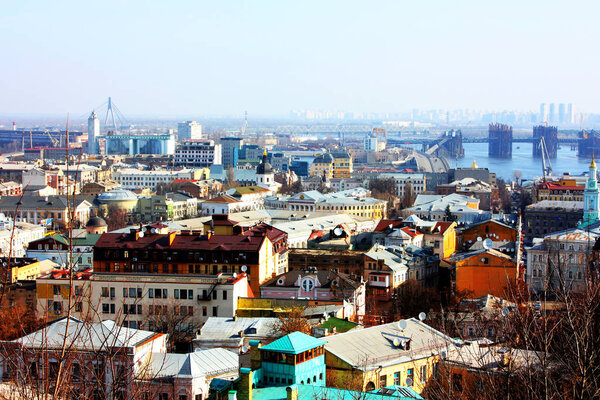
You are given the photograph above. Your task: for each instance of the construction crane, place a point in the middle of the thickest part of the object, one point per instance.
(55, 142)
(546, 164)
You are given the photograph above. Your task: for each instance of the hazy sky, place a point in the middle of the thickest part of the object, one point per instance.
(269, 57)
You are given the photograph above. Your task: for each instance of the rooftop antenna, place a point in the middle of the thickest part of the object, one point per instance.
(245, 126)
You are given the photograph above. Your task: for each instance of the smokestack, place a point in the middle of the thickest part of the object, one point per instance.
(14, 126)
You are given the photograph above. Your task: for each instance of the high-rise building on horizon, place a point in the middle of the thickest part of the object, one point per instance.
(552, 114)
(93, 132)
(230, 149)
(189, 130)
(562, 113)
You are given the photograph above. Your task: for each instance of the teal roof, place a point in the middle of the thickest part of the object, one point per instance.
(309, 392)
(294, 343)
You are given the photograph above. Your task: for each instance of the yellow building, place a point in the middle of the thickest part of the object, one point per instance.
(342, 164)
(405, 353)
(31, 271)
(322, 165)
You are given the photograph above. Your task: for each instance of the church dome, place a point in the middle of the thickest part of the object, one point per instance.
(264, 167)
(95, 222)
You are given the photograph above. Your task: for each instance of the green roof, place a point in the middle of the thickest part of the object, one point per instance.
(89, 239)
(309, 392)
(341, 325)
(294, 343)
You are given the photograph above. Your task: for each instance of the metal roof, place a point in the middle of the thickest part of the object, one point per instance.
(203, 363)
(294, 343)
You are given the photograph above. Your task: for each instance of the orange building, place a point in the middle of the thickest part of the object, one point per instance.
(481, 272)
(491, 229)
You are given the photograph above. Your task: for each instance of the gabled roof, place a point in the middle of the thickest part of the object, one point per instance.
(85, 336)
(385, 224)
(223, 199)
(294, 343)
(203, 363)
(476, 253)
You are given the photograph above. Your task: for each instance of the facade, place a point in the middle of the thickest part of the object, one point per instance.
(195, 153)
(133, 144)
(563, 190)
(561, 262)
(130, 178)
(54, 211)
(481, 272)
(322, 166)
(14, 237)
(222, 204)
(189, 130)
(322, 285)
(97, 188)
(224, 248)
(549, 216)
(417, 183)
(491, 229)
(388, 354)
(342, 165)
(486, 194)
(200, 189)
(166, 207)
(230, 150)
(354, 202)
(10, 188)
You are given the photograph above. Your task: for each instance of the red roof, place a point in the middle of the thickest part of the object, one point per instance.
(385, 223)
(442, 227)
(554, 186)
(250, 240)
(224, 198)
(411, 231)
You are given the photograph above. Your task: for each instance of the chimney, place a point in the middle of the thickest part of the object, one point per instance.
(255, 362)
(291, 392)
(245, 384)
(232, 395)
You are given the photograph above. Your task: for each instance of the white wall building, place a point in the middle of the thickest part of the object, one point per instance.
(191, 153)
(417, 182)
(131, 178)
(189, 130)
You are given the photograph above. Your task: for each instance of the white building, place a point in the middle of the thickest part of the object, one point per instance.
(131, 178)
(416, 181)
(189, 130)
(93, 133)
(20, 236)
(191, 153)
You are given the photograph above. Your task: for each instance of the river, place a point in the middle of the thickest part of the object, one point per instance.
(522, 160)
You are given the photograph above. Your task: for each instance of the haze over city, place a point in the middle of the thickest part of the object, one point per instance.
(192, 58)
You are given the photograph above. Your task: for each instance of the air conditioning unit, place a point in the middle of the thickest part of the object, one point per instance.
(169, 258)
(134, 258)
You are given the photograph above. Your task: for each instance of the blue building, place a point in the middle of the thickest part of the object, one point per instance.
(301, 168)
(293, 368)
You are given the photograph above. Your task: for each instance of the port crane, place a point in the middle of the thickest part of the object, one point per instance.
(54, 141)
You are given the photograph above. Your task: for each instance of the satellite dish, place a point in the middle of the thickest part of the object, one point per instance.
(402, 324)
(396, 342)
(483, 260)
(422, 316)
(141, 234)
(505, 312)
(234, 275)
(409, 382)
(153, 230)
(280, 281)
(488, 244)
(479, 239)
(144, 229)
(244, 268)
(244, 349)
(337, 231)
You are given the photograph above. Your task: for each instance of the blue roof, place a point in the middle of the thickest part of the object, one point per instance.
(310, 392)
(294, 343)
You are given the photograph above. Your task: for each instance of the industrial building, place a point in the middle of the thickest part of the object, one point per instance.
(500, 141)
(589, 144)
(132, 144)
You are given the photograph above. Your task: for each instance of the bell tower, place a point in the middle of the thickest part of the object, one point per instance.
(591, 198)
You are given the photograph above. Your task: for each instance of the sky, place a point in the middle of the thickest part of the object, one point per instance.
(193, 58)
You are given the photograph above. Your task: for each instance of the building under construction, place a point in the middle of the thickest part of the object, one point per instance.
(500, 141)
(589, 144)
(550, 135)
(449, 145)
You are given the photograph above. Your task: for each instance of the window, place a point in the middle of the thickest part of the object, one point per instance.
(308, 285)
(410, 376)
(204, 311)
(176, 293)
(214, 295)
(397, 378)
(150, 293)
(423, 373)
(214, 311)
(104, 291)
(224, 294)
(76, 371)
(383, 381)
(163, 396)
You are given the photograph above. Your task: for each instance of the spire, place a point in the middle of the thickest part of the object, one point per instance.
(265, 152)
(474, 164)
(593, 163)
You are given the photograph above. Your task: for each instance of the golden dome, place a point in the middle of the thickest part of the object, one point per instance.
(593, 163)
(474, 164)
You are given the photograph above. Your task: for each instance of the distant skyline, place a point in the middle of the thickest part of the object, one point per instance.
(195, 58)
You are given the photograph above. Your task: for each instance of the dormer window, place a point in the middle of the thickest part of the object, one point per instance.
(308, 284)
